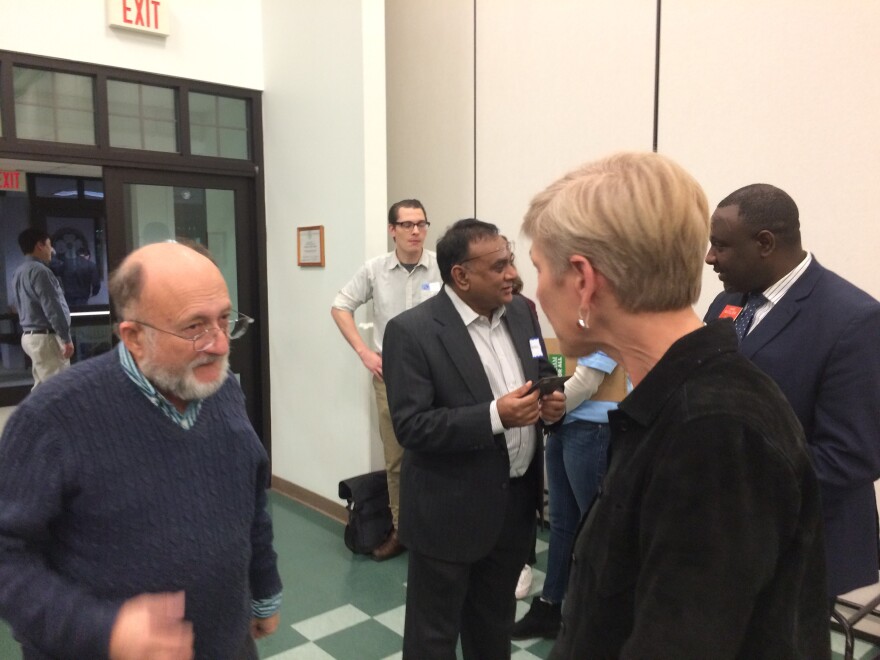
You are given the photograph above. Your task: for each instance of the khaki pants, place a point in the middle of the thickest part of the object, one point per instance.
(393, 450)
(46, 356)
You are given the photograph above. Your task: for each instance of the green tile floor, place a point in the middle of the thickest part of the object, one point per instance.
(340, 606)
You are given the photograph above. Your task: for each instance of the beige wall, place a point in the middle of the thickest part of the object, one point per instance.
(430, 90)
(782, 91)
(324, 121)
(490, 100)
(558, 83)
(779, 91)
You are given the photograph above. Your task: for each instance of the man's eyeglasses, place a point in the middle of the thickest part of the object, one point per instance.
(234, 327)
(408, 226)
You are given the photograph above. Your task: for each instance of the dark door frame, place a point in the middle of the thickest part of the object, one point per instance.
(246, 358)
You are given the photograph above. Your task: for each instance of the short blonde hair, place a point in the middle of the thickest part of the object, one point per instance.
(641, 220)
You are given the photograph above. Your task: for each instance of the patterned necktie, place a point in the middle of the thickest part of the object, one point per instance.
(744, 319)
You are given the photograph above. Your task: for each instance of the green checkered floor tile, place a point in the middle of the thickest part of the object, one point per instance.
(339, 606)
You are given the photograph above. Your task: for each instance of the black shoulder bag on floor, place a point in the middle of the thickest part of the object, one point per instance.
(369, 518)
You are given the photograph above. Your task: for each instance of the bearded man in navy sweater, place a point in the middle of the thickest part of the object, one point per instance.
(133, 518)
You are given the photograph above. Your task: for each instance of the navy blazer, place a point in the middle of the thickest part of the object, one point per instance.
(455, 474)
(821, 344)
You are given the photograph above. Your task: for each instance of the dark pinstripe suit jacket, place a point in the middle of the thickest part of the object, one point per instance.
(455, 474)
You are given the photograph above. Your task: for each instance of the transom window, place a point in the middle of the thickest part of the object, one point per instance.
(71, 110)
(54, 106)
(218, 126)
(142, 116)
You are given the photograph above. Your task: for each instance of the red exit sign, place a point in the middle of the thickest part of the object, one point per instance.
(142, 15)
(12, 181)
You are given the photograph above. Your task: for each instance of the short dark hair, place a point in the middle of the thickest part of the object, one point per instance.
(762, 206)
(454, 246)
(28, 239)
(404, 204)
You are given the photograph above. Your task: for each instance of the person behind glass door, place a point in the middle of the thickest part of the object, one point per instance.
(42, 309)
(395, 282)
(80, 278)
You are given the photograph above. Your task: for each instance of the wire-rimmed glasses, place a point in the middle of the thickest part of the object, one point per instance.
(236, 325)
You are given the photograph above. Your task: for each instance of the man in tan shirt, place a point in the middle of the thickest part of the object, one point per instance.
(395, 282)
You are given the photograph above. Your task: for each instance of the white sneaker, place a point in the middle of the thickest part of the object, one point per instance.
(524, 585)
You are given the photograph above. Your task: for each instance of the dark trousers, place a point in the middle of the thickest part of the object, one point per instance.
(476, 600)
(249, 650)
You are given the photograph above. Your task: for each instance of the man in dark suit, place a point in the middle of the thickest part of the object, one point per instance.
(459, 370)
(818, 337)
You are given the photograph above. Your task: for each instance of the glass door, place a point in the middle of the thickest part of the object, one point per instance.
(212, 211)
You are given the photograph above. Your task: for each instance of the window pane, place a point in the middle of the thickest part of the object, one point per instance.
(74, 92)
(158, 103)
(218, 126)
(233, 112)
(122, 98)
(142, 116)
(59, 107)
(93, 188)
(76, 126)
(160, 135)
(204, 140)
(34, 122)
(32, 86)
(125, 132)
(50, 186)
(202, 109)
(233, 143)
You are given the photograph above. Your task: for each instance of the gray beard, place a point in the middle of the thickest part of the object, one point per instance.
(182, 382)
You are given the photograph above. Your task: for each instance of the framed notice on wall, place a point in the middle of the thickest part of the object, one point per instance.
(310, 246)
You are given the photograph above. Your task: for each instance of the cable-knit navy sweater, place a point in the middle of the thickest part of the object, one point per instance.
(102, 497)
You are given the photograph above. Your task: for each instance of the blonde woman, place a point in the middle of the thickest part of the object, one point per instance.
(706, 538)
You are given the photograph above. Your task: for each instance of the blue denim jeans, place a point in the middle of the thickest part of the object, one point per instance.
(576, 457)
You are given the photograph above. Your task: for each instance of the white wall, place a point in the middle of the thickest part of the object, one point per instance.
(324, 121)
(430, 70)
(324, 113)
(782, 92)
(558, 83)
(212, 40)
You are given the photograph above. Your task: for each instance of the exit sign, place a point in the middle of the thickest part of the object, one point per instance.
(12, 181)
(149, 16)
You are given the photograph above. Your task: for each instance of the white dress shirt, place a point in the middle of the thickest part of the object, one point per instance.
(504, 371)
(775, 292)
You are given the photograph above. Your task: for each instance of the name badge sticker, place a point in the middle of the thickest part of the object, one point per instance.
(535, 345)
(730, 312)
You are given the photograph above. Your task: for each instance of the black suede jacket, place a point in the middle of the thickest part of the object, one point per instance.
(706, 538)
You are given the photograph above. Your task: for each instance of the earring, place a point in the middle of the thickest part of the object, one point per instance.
(584, 323)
